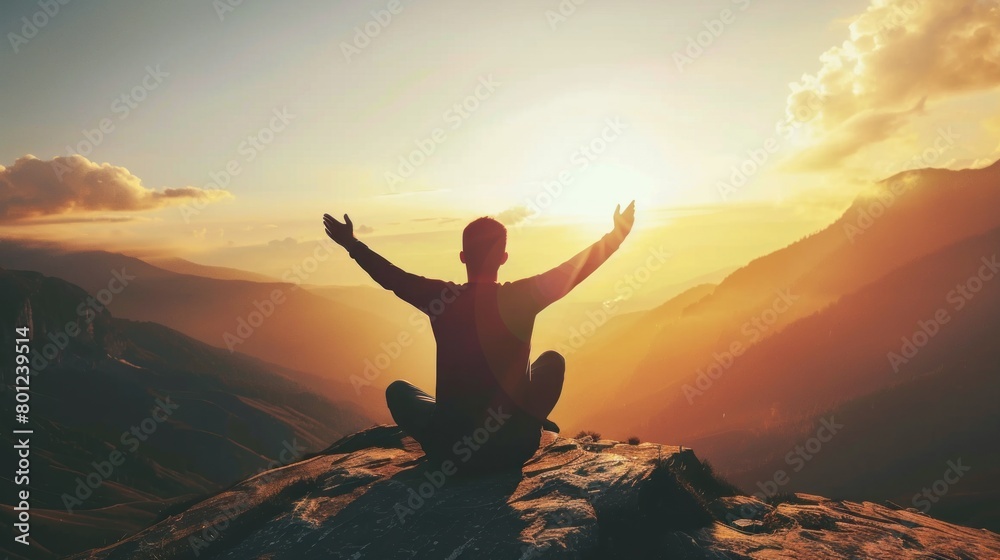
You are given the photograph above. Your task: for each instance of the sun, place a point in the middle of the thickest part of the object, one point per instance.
(590, 199)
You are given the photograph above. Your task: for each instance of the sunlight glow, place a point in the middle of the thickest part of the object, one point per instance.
(593, 195)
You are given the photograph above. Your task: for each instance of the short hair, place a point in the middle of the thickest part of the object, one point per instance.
(483, 237)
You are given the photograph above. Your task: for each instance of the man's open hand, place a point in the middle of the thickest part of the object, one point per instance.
(341, 233)
(624, 220)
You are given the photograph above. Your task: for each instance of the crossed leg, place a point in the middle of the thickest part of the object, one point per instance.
(412, 408)
(545, 382)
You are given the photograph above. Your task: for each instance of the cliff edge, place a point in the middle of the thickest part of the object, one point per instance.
(374, 495)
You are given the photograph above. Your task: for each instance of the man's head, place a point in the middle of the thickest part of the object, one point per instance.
(484, 246)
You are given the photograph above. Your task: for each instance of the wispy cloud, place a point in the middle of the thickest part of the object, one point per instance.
(513, 216)
(412, 193)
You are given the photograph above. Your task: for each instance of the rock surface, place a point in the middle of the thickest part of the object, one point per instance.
(374, 495)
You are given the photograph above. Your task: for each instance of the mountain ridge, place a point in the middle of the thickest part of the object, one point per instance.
(373, 495)
(136, 418)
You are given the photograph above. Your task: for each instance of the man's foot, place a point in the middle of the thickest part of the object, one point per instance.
(550, 426)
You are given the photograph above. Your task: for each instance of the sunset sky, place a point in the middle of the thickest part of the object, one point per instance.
(506, 96)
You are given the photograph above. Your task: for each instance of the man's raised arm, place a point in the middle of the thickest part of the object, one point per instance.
(550, 286)
(415, 290)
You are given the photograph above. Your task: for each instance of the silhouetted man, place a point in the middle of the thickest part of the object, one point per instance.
(490, 403)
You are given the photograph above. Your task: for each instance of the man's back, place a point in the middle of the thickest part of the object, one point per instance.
(483, 334)
(483, 346)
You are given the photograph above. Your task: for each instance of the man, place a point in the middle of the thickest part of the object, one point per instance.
(490, 403)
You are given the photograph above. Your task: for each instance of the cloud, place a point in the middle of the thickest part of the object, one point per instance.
(69, 185)
(899, 53)
(854, 134)
(365, 229)
(286, 243)
(412, 193)
(513, 216)
(84, 220)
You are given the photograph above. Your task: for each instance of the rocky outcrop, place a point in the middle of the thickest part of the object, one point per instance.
(374, 495)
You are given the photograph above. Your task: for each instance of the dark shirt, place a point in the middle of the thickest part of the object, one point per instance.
(482, 329)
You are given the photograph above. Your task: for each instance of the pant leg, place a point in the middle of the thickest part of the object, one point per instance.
(411, 408)
(545, 383)
(521, 434)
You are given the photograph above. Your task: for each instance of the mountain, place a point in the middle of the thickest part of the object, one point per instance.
(618, 345)
(379, 302)
(845, 348)
(372, 495)
(657, 296)
(132, 418)
(918, 394)
(275, 321)
(913, 408)
(907, 216)
(183, 266)
(776, 290)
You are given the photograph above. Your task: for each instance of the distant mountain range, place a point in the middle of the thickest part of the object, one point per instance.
(132, 418)
(183, 266)
(820, 329)
(886, 324)
(330, 337)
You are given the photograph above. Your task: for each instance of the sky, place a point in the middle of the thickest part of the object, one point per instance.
(221, 131)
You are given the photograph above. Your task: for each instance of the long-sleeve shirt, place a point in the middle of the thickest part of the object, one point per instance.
(483, 329)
